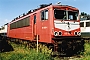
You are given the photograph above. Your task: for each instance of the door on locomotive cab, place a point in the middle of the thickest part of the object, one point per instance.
(44, 25)
(34, 26)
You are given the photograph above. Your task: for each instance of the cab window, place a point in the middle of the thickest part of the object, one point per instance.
(44, 15)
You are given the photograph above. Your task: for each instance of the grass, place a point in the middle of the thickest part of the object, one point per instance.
(22, 53)
(86, 54)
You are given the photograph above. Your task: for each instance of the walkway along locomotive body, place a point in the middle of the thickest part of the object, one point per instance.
(56, 25)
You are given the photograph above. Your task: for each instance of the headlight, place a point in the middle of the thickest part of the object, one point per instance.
(79, 33)
(60, 33)
(56, 33)
(75, 33)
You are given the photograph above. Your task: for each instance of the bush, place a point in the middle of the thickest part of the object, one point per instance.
(86, 54)
(22, 53)
(39, 56)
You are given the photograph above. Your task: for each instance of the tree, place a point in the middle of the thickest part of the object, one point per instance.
(85, 16)
(88, 17)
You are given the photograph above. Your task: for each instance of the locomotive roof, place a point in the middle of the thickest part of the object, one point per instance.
(43, 6)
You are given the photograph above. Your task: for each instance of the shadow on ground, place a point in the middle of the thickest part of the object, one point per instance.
(4, 45)
(76, 49)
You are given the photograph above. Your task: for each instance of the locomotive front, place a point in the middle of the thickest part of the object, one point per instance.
(67, 34)
(66, 22)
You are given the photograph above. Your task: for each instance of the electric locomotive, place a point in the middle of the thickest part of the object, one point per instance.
(58, 26)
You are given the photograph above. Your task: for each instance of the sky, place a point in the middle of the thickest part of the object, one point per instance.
(10, 9)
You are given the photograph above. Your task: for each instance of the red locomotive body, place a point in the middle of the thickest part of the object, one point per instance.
(52, 23)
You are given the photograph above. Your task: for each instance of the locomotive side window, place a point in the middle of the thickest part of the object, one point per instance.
(21, 23)
(82, 24)
(27, 21)
(15, 25)
(44, 15)
(34, 19)
(87, 24)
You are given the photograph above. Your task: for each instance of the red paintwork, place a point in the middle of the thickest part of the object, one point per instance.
(45, 29)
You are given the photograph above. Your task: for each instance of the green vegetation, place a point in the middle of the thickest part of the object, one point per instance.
(22, 53)
(85, 16)
(86, 54)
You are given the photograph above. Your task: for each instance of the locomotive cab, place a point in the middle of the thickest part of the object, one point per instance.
(66, 22)
(66, 29)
